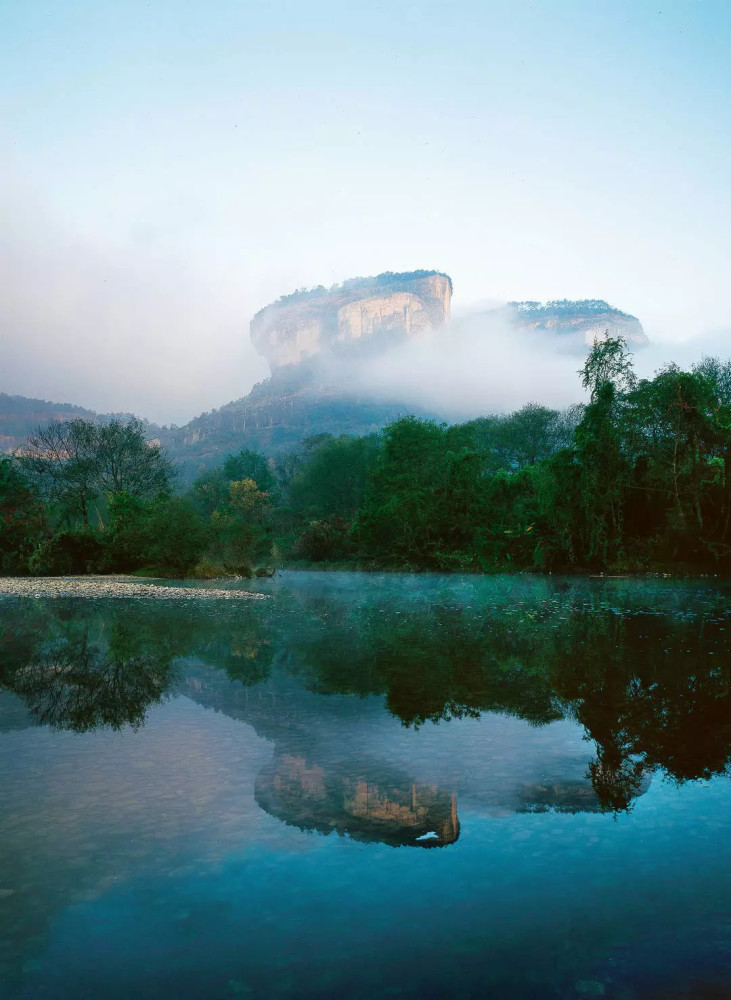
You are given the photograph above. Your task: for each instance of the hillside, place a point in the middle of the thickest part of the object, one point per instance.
(583, 321)
(20, 415)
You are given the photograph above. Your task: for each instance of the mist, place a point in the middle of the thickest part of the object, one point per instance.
(482, 364)
(120, 328)
(475, 365)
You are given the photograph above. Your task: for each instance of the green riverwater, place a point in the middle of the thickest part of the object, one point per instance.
(366, 786)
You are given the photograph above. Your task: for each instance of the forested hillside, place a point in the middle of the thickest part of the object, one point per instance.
(638, 479)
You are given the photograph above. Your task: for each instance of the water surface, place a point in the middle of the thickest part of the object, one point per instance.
(369, 786)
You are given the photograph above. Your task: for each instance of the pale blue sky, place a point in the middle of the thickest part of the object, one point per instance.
(169, 167)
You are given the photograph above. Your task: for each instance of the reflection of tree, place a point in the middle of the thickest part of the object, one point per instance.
(650, 685)
(439, 663)
(104, 667)
(85, 689)
(653, 692)
(649, 681)
(83, 685)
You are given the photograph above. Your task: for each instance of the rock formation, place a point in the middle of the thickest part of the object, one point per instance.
(307, 323)
(584, 321)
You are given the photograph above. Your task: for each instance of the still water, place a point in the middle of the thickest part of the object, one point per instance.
(369, 787)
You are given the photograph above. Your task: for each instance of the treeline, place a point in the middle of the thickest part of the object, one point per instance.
(566, 307)
(638, 479)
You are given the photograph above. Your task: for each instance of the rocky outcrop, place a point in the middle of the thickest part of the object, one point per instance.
(584, 320)
(311, 322)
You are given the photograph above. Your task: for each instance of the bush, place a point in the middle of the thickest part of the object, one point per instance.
(68, 553)
(324, 541)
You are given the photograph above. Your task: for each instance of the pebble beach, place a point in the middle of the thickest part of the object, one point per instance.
(107, 586)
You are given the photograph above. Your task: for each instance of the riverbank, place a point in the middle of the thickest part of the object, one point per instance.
(113, 586)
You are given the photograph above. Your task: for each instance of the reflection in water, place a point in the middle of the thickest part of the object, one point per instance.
(640, 671)
(394, 812)
(83, 687)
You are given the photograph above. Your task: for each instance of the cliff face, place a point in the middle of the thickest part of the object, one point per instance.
(312, 322)
(584, 321)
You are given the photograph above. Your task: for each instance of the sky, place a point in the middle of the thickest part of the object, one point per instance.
(168, 168)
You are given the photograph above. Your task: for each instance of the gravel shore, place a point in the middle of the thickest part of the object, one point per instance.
(108, 586)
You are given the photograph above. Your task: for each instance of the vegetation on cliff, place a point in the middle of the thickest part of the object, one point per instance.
(566, 308)
(387, 280)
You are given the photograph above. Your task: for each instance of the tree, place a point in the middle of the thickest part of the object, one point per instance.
(425, 496)
(242, 527)
(681, 435)
(22, 519)
(173, 534)
(130, 464)
(332, 480)
(76, 462)
(249, 464)
(63, 460)
(609, 361)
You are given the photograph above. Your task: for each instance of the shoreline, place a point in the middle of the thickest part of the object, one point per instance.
(113, 587)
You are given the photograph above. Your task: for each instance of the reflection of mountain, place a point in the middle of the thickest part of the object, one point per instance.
(307, 796)
(342, 764)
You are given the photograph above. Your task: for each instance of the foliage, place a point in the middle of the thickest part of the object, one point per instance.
(253, 465)
(76, 463)
(639, 478)
(22, 518)
(565, 307)
(387, 279)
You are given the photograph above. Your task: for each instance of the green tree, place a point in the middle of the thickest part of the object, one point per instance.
(609, 361)
(248, 464)
(173, 534)
(76, 463)
(22, 518)
(424, 498)
(128, 463)
(332, 480)
(242, 527)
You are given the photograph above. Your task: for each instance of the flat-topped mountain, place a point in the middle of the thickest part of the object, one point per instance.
(310, 322)
(315, 341)
(585, 320)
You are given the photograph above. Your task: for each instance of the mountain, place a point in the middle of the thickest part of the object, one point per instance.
(583, 321)
(310, 322)
(314, 340)
(20, 415)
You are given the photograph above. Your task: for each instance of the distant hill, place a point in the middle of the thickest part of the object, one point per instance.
(277, 414)
(20, 415)
(583, 320)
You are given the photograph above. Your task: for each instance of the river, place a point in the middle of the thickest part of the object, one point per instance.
(365, 786)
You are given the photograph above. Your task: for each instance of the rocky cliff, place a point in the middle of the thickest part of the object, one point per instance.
(314, 321)
(584, 321)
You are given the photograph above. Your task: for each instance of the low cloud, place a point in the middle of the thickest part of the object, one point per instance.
(476, 365)
(484, 364)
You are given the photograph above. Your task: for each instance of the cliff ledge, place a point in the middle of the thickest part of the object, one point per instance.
(312, 321)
